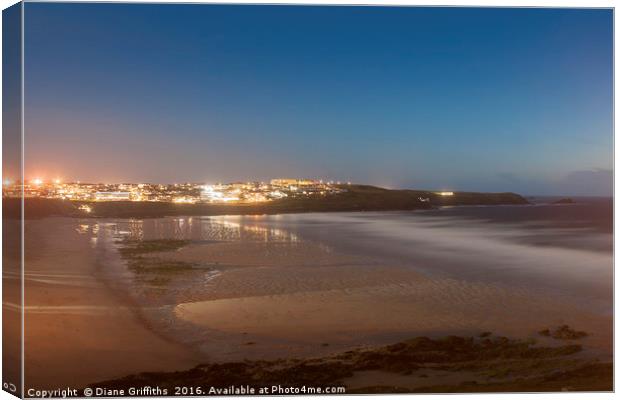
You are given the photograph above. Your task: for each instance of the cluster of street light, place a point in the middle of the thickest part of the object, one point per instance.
(182, 193)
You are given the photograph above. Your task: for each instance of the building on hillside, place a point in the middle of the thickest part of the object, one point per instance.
(112, 196)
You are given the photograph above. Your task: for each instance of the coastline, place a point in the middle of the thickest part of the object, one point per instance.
(355, 198)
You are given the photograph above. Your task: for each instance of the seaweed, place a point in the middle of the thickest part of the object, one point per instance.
(502, 364)
(563, 332)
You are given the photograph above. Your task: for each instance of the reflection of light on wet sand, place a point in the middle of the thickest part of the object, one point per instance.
(256, 232)
(220, 228)
(136, 228)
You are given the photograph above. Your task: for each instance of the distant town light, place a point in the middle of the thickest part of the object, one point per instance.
(112, 196)
(235, 192)
(445, 193)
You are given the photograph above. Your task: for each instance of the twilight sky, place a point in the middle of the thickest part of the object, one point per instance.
(432, 98)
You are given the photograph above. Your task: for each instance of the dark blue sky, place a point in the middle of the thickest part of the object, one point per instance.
(439, 98)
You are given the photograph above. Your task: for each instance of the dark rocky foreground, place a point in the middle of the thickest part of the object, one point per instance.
(355, 198)
(499, 364)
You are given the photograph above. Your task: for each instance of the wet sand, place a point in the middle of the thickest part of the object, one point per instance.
(77, 330)
(352, 305)
(261, 291)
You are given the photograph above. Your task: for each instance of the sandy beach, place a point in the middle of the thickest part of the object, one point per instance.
(77, 330)
(110, 298)
(378, 314)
